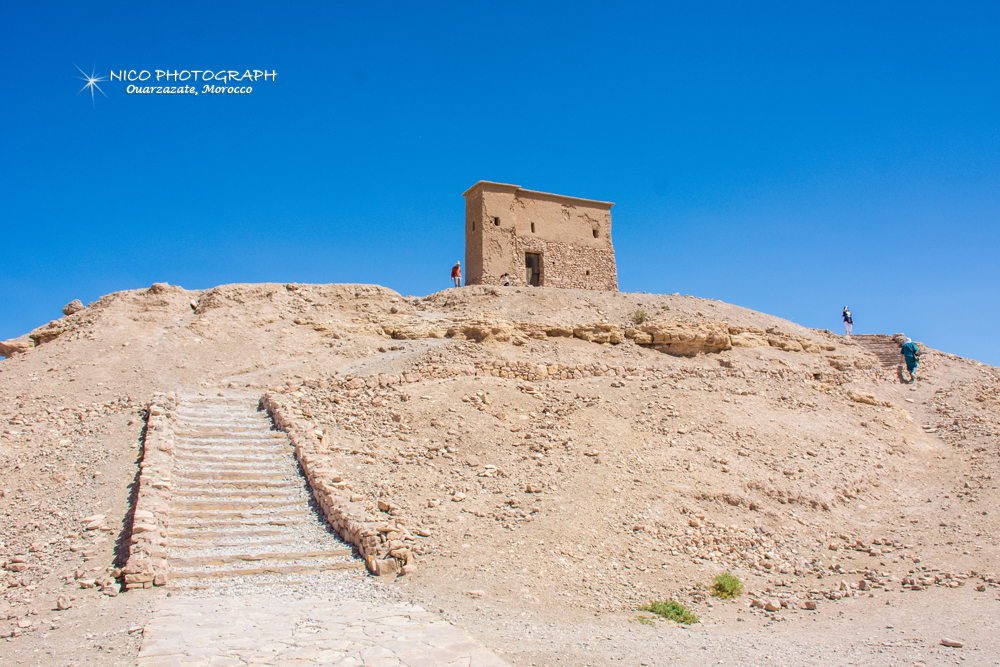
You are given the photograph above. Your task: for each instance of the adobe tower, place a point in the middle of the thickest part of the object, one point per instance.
(537, 238)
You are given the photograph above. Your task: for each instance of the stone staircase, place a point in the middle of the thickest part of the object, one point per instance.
(242, 530)
(239, 506)
(883, 347)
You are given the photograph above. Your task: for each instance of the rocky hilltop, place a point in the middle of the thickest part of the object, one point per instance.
(529, 457)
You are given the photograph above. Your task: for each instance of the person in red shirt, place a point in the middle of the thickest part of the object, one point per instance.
(456, 274)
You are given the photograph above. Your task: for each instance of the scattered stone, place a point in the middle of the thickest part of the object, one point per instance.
(385, 505)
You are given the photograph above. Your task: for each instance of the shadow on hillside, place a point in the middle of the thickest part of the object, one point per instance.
(124, 542)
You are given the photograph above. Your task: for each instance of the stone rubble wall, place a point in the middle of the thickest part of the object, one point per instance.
(385, 547)
(147, 562)
(481, 330)
(570, 266)
(563, 265)
(531, 372)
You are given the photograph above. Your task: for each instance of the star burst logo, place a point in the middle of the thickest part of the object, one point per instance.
(92, 82)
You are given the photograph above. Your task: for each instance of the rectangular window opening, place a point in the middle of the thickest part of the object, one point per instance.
(532, 228)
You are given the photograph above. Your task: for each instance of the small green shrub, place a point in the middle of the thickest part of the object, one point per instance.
(643, 620)
(670, 610)
(640, 316)
(726, 586)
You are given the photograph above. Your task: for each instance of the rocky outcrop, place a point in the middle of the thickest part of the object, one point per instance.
(9, 348)
(747, 337)
(599, 333)
(681, 338)
(686, 338)
(415, 331)
(482, 330)
(773, 337)
(48, 332)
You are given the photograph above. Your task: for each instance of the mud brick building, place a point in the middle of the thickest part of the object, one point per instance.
(537, 238)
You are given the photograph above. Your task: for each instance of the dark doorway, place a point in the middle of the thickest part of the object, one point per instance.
(533, 268)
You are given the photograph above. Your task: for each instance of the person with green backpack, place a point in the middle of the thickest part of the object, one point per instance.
(911, 354)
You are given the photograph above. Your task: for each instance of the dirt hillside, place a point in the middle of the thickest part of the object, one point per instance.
(556, 458)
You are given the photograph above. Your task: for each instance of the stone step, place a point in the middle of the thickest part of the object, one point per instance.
(234, 482)
(214, 418)
(232, 453)
(215, 424)
(267, 569)
(226, 463)
(201, 517)
(230, 449)
(231, 440)
(235, 469)
(286, 492)
(253, 431)
(221, 428)
(220, 415)
(234, 505)
(193, 524)
(232, 473)
(216, 435)
(884, 348)
(216, 427)
(229, 559)
(208, 520)
(235, 458)
(216, 439)
(234, 534)
(184, 527)
(222, 476)
(258, 515)
(238, 530)
(225, 540)
(260, 431)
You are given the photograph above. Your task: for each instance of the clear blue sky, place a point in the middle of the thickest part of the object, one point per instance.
(787, 157)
